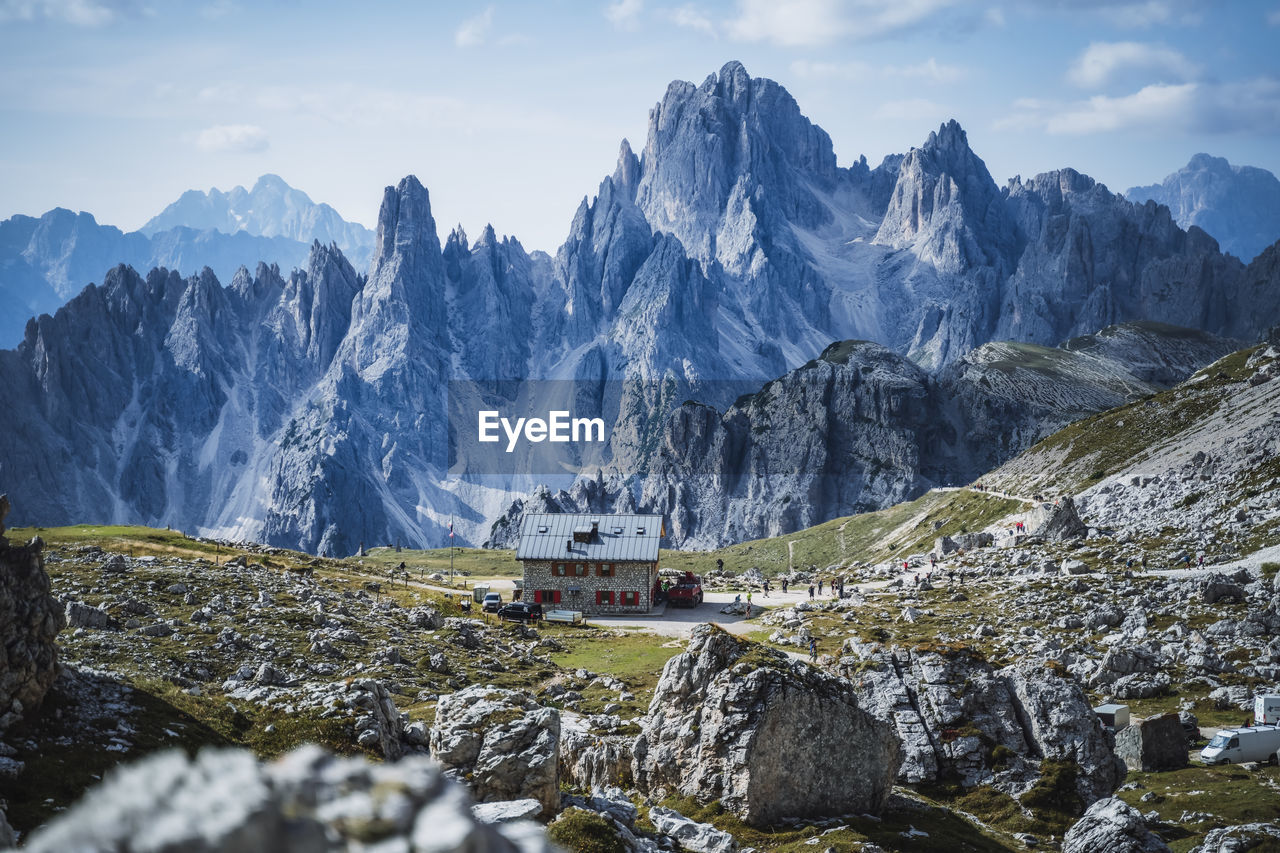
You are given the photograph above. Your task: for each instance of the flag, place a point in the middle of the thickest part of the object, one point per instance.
(450, 529)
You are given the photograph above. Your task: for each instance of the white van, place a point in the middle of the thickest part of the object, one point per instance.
(1235, 746)
(1266, 709)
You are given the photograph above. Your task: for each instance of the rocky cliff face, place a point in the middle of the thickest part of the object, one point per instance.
(1238, 205)
(952, 712)
(30, 619)
(861, 428)
(308, 408)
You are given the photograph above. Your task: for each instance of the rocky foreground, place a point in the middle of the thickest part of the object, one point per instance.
(949, 705)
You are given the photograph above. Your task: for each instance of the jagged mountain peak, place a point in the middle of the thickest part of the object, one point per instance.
(405, 223)
(730, 137)
(626, 176)
(946, 206)
(949, 136)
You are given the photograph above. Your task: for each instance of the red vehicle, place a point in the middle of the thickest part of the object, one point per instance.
(687, 592)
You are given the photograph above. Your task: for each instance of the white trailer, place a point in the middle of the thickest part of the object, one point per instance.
(1248, 743)
(1266, 709)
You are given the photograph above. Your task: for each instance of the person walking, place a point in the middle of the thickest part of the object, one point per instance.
(819, 586)
(766, 587)
(813, 649)
(811, 592)
(785, 583)
(748, 602)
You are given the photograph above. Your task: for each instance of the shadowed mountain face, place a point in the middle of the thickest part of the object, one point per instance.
(1238, 205)
(308, 409)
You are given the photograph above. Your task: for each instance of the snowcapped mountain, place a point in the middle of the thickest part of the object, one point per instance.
(309, 409)
(271, 208)
(1238, 205)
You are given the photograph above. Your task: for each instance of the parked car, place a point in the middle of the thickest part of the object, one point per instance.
(1247, 743)
(687, 592)
(521, 611)
(492, 602)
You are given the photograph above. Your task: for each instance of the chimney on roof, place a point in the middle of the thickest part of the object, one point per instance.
(568, 544)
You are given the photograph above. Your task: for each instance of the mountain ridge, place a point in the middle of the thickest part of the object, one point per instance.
(1238, 205)
(308, 409)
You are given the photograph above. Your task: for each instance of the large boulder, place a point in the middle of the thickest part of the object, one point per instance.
(767, 736)
(1257, 837)
(503, 743)
(80, 615)
(1056, 522)
(308, 801)
(1154, 744)
(30, 619)
(689, 834)
(958, 717)
(1112, 826)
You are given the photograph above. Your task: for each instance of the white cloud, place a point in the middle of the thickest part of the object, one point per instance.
(1246, 105)
(1103, 62)
(474, 30)
(692, 18)
(810, 23)
(625, 14)
(237, 138)
(1157, 105)
(81, 13)
(1273, 17)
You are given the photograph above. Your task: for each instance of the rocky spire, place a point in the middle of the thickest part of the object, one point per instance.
(626, 177)
(946, 205)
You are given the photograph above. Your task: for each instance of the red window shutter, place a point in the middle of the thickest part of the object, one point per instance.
(599, 596)
(537, 597)
(557, 596)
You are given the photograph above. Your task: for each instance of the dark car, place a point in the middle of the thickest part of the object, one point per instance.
(521, 611)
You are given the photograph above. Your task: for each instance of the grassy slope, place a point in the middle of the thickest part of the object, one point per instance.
(872, 537)
(1077, 456)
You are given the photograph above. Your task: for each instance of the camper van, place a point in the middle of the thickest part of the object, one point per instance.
(1266, 710)
(1236, 746)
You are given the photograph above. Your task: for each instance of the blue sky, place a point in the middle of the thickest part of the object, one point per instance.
(511, 112)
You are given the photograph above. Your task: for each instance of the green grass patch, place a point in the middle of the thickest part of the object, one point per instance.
(581, 831)
(1229, 793)
(900, 530)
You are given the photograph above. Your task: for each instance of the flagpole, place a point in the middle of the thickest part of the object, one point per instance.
(451, 552)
